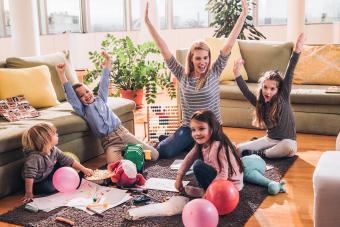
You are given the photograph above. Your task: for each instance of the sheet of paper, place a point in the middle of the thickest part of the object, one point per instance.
(162, 184)
(82, 197)
(177, 164)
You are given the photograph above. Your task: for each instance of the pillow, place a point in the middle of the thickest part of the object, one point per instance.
(261, 56)
(51, 60)
(216, 44)
(34, 83)
(318, 65)
(16, 108)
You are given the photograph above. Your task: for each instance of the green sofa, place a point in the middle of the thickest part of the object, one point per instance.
(315, 110)
(74, 134)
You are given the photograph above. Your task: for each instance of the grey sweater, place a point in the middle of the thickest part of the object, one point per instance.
(285, 127)
(38, 166)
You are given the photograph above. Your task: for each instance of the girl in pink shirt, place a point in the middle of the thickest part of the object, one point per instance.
(213, 155)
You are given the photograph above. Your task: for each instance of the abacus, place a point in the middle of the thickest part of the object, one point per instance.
(161, 120)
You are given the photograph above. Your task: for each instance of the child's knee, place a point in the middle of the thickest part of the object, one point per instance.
(289, 146)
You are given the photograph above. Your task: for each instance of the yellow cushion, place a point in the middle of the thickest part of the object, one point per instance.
(216, 44)
(34, 83)
(318, 65)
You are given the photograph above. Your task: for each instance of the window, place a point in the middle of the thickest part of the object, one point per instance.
(5, 26)
(162, 14)
(63, 16)
(107, 15)
(325, 11)
(196, 17)
(272, 12)
(135, 14)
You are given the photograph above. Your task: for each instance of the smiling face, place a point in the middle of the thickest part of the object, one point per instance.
(84, 94)
(200, 61)
(269, 89)
(200, 131)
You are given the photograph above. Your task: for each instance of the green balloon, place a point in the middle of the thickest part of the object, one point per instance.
(71, 155)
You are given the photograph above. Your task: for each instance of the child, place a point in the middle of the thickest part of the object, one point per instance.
(213, 155)
(198, 82)
(102, 121)
(272, 110)
(42, 159)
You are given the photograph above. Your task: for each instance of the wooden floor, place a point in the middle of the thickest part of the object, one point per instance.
(294, 208)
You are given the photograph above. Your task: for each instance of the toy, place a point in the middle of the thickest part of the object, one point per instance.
(224, 195)
(66, 179)
(254, 168)
(125, 173)
(135, 153)
(200, 212)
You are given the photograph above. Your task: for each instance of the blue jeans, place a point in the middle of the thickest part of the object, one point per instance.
(180, 141)
(204, 173)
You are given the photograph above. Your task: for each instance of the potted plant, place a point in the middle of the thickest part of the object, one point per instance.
(225, 14)
(133, 70)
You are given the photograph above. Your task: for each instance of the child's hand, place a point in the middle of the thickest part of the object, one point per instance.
(60, 68)
(107, 61)
(237, 66)
(299, 43)
(179, 184)
(88, 172)
(28, 197)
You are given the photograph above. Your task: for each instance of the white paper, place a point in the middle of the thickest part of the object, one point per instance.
(163, 184)
(82, 197)
(269, 167)
(177, 164)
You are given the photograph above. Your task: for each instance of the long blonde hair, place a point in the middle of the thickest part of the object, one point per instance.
(189, 66)
(38, 136)
(275, 110)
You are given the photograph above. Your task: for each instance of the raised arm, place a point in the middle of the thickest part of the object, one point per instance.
(287, 81)
(103, 90)
(236, 29)
(241, 84)
(156, 37)
(61, 73)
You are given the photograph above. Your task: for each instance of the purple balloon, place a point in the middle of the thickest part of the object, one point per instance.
(200, 212)
(65, 179)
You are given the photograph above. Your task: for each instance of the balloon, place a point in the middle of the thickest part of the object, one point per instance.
(71, 155)
(200, 212)
(65, 179)
(224, 195)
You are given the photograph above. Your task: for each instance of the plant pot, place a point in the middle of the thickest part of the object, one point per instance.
(134, 95)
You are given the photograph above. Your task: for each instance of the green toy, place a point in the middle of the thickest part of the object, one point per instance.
(135, 153)
(254, 168)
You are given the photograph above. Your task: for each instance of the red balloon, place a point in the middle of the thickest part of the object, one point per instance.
(224, 195)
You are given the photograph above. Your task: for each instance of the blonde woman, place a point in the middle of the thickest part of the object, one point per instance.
(198, 82)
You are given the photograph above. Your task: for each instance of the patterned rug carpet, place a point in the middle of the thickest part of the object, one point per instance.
(251, 197)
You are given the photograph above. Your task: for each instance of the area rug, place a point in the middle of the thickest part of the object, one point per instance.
(251, 197)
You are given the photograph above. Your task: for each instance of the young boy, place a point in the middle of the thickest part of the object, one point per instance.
(102, 121)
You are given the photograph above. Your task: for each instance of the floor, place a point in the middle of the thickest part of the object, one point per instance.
(294, 208)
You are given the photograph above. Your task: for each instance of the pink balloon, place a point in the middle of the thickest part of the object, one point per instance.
(200, 212)
(65, 179)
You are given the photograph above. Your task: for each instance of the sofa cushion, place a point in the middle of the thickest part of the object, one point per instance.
(51, 60)
(261, 56)
(318, 65)
(216, 44)
(62, 116)
(300, 94)
(25, 82)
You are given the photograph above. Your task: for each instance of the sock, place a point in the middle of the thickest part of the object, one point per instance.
(260, 153)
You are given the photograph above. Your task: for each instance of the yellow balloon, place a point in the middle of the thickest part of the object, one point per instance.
(71, 155)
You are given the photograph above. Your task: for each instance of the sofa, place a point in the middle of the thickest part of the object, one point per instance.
(74, 133)
(316, 111)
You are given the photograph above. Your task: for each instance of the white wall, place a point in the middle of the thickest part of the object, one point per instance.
(80, 44)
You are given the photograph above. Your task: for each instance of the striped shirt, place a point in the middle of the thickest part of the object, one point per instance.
(208, 97)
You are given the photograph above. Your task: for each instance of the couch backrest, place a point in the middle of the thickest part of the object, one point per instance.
(2, 64)
(261, 56)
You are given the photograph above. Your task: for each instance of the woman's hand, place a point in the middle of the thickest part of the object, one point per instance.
(237, 66)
